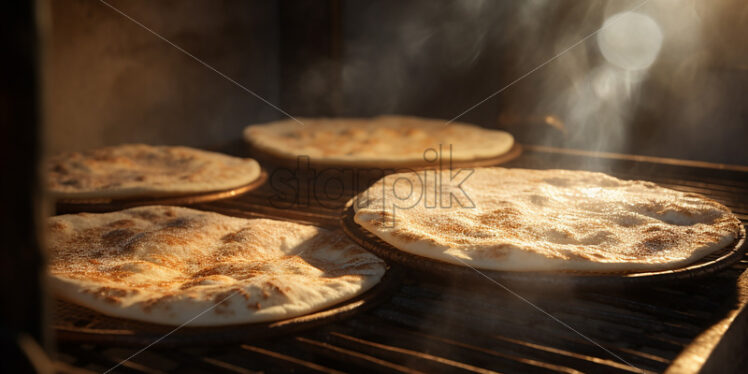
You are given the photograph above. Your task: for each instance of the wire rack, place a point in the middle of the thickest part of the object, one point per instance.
(441, 324)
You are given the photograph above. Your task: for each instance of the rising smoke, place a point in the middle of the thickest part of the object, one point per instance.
(652, 82)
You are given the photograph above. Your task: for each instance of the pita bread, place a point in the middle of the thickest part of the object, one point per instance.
(538, 220)
(385, 141)
(168, 264)
(139, 170)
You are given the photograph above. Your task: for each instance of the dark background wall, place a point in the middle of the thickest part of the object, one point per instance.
(111, 81)
(439, 58)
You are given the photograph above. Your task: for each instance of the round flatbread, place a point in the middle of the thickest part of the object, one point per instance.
(168, 265)
(542, 220)
(139, 170)
(385, 141)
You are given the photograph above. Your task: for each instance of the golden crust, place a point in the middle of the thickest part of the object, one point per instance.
(385, 141)
(168, 264)
(138, 170)
(528, 220)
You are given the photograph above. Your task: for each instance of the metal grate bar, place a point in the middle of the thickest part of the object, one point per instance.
(285, 359)
(542, 333)
(421, 359)
(513, 351)
(354, 356)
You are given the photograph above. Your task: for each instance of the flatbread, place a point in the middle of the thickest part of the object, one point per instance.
(385, 141)
(538, 220)
(167, 265)
(139, 170)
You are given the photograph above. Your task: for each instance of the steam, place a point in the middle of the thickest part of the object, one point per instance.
(647, 82)
(650, 82)
(599, 102)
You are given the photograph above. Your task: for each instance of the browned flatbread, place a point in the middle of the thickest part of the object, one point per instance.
(385, 141)
(138, 170)
(169, 265)
(537, 220)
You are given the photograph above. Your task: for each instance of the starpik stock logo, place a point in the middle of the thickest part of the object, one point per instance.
(435, 183)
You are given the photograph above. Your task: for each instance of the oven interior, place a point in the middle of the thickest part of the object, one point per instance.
(670, 110)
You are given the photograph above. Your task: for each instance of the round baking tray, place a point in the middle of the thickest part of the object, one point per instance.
(285, 162)
(108, 205)
(76, 324)
(708, 265)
